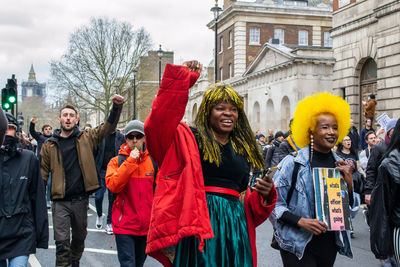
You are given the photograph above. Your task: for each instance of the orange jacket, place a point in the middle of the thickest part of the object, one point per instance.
(370, 108)
(133, 181)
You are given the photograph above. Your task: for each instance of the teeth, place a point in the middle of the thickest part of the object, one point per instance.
(227, 121)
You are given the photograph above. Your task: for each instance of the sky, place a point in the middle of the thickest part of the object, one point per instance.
(37, 31)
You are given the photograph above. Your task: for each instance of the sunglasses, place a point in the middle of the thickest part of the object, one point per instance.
(131, 136)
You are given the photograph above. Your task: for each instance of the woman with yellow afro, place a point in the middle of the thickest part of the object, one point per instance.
(319, 122)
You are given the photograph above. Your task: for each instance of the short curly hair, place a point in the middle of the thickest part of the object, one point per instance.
(308, 110)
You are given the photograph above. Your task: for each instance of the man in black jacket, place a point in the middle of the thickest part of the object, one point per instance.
(23, 214)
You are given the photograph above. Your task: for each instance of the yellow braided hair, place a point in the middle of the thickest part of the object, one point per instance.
(308, 110)
(242, 139)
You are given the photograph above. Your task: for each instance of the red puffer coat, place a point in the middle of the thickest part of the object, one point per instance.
(180, 207)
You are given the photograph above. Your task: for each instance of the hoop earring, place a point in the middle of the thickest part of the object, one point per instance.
(311, 146)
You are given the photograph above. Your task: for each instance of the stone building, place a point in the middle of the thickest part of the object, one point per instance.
(366, 45)
(274, 53)
(31, 87)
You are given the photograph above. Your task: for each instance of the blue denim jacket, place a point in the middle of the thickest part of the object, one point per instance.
(302, 203)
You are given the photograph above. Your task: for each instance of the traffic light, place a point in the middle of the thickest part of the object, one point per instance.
(12, 90)
(4, 99)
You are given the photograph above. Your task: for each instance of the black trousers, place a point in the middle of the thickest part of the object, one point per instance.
(320, 252)
(69, 214)
(131, 250)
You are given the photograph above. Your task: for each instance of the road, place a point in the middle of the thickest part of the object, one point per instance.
(101, 248)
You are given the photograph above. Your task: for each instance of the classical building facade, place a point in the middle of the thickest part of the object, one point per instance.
(31, 87)
(274, 53)
(366, 45)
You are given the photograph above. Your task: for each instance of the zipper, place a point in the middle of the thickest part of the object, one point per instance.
(122, 207)
(172, 174)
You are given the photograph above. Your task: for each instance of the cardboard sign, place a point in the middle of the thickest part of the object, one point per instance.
(331, 199)
(383, 120)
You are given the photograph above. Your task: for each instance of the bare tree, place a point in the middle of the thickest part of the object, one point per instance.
(99, 62)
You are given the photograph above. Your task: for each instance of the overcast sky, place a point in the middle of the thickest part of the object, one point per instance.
(37, 31)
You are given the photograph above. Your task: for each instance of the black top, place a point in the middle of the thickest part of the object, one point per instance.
(347, 156)
(108, 150)
(74, 186)
(233, 172)
(322, 160)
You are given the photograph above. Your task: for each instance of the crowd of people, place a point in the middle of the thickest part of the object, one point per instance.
(193, 195)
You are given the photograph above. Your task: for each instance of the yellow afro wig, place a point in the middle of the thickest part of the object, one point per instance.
(308, 110)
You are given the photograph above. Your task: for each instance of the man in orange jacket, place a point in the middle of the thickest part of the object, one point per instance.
(131, 175)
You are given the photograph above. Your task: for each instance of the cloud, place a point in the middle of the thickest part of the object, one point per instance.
(35, 32)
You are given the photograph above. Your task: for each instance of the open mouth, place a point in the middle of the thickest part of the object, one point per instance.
(331, 140)
(227, 123)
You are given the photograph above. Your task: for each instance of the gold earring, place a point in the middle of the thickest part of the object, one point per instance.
(312, 146)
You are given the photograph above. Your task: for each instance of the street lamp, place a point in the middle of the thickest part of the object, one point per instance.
(134, 71)
(160, 53)
(216, 9)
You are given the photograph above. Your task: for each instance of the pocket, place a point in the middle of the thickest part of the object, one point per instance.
(174, 175)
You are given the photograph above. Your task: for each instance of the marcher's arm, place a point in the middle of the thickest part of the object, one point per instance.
(118, 177)
(37, 196)
(32, 131)
(45, 161)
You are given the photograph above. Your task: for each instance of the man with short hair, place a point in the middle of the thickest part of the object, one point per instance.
(370, 138)
(68, 156)
(367, 128)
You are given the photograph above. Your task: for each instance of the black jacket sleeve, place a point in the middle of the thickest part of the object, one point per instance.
(377, 152)
(3, 126)
(33, 132)
(38, 202)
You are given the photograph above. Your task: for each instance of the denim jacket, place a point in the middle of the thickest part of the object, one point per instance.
(302, 203)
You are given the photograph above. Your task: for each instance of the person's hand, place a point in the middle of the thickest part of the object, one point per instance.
(380, 131)
(34, 120)
(312, 226)
(134, 153)
(347, 171)
(364, 102)
(368, 199)
(264, 186)
(193, 65)
(117, 99)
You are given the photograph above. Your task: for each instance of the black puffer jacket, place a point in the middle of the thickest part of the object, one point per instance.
(374, 160)
(23, 212)
(385, 206)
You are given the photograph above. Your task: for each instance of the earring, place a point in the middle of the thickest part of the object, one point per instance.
(311, 146)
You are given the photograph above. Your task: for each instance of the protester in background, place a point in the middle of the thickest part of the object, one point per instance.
(385, 204)
(270, 160)
(369, 108)
(368, 127)
(106, 150)
(23, 214)
(261, 142)
(203, 170)
(320, 121)
(354, 136)
(68, 156)
(370, 138)
(345, 149)
(131, 176)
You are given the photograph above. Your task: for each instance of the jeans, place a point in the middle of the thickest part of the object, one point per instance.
(69, 214)
(131, 250)
(19, 261)
(99, 196)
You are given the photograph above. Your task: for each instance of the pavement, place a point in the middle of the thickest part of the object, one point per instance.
(100, 248)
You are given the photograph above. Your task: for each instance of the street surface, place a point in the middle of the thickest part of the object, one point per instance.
(101, 248)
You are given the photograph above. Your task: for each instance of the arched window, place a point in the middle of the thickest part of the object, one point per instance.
(285, 114)
(270, 114)
(256, 115)
(368, 84)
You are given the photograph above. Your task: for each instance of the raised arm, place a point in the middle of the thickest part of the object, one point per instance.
(169, 107)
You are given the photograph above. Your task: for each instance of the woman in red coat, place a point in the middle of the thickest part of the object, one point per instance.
(203, 170)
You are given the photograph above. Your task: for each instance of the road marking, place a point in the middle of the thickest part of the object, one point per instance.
(88, 229)
(95, 250)
(33, 261)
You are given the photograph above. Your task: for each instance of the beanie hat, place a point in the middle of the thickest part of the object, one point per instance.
(372, 96)
(390, 125)
(279, 134)
(134, 126)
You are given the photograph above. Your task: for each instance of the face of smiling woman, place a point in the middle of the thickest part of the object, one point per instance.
(223, 118)
(325, 133)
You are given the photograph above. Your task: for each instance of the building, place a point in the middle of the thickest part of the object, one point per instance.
(243, 27)
(366, 45)
(32, 87)
(274, 53)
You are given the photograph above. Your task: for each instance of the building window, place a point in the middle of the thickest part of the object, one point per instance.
(295, 3)
(230, 40)
(303, 37)
(230, 70)
(279, 34)
(221, 44)
(254, 35)
(221, 74)
(29, 91)
(327, 39)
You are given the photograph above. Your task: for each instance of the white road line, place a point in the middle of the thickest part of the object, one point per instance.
(88, 229)
(95, 250)
(33, 261)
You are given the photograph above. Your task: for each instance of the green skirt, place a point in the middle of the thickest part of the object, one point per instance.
(230, 245)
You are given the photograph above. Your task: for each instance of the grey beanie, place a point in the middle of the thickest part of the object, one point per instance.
(134, 126)
(390, 125)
